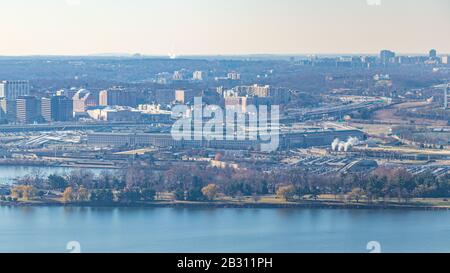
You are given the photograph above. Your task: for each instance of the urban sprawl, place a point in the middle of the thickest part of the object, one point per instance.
(380, 120)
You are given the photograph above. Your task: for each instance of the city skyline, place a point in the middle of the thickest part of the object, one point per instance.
(199, 27)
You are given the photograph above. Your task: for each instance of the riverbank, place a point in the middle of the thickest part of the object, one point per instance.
(220, 204)
(56, 164)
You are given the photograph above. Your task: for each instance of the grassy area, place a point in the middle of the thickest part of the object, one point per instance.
(434, 202)
(261, 201)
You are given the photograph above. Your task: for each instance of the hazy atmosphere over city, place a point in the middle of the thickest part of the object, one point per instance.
(205, 27)
(225, 127)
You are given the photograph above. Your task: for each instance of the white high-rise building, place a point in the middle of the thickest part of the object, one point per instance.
(234, 76)
(11, 90)
(197, 76)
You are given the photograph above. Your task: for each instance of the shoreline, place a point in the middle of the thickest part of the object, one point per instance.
(231, 205)
(43, 164)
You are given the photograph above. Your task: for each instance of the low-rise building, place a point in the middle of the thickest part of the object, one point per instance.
(320, 138)
(115, 114)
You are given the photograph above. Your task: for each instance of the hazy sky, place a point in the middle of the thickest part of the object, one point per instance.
(190, 27)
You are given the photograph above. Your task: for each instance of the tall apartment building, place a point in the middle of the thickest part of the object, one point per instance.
(11, 90)
(28, 110)
(179, 75)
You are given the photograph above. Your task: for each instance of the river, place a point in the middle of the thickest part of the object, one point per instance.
(49, 229)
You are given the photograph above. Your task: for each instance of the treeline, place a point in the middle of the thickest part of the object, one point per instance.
(140, 183)
(379, 185)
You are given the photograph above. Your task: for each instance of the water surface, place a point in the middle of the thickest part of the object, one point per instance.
(48, 229)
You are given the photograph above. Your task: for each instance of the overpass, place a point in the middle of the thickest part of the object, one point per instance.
(65, 127)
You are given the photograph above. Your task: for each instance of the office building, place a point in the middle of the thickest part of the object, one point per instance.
(154, 113)
(57, 108)
(67, 92)
(273, 95)
(279, 95)
(446, 96)
(432, 54)
(11, 90)
(288, 140)
(46, 109)
(8, 109)
(28, 110)
(117, 96)
(115, 114)
(62, 108)
(162, 96)
(186, 96)
(387, 56)
(3, 109)
(82, 100)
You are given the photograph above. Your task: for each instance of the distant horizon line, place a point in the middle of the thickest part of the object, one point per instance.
(131, 55)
